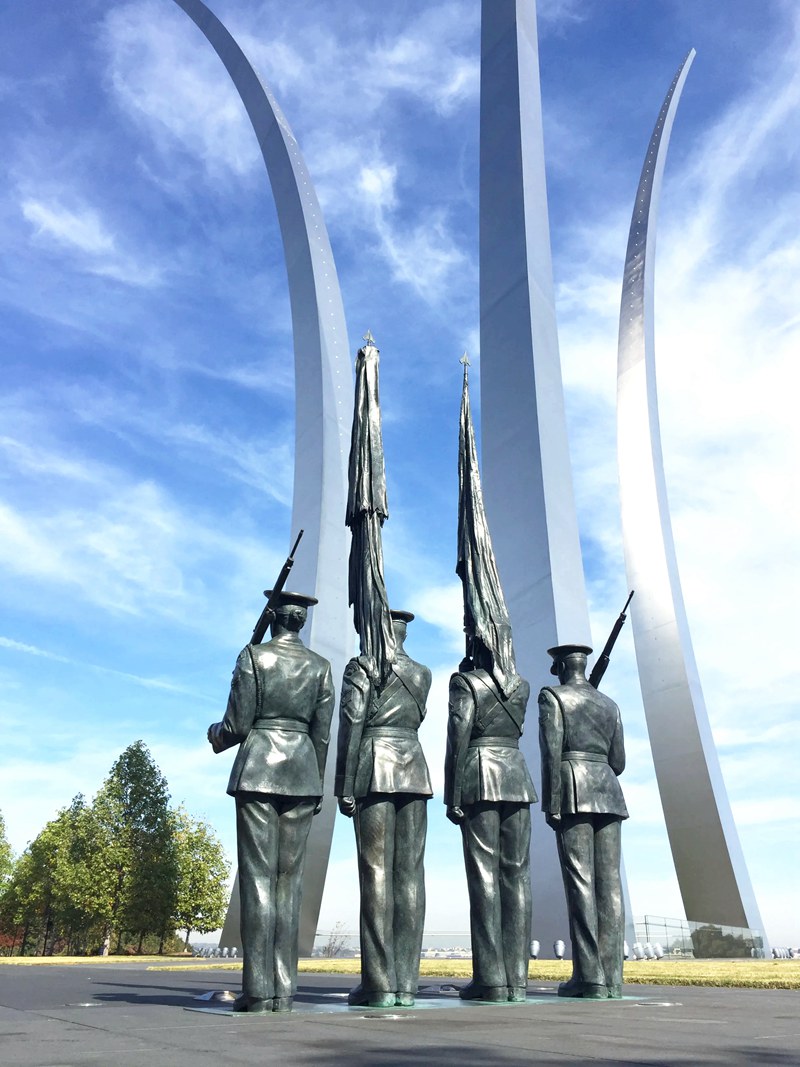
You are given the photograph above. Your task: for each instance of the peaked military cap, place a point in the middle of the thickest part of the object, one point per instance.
(560, 652)
(401, 616)
(299, 600)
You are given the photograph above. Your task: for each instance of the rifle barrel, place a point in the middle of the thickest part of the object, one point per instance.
(603, 659)
(268, 611)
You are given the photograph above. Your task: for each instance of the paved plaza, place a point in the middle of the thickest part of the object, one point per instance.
(133, 1014)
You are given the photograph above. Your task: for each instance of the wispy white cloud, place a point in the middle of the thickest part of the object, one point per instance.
(559, 14)
(128, 548)
(163, 77)
(82, 231)
(135, 679)
(165, 80)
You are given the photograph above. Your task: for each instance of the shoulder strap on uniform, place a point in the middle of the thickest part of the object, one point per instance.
(501, 702)
(411, 691)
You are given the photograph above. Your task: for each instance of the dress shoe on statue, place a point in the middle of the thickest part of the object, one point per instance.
(594, 992)
(517, 994)
(371, 998)
(282, 1003)
(571, 988)
(251, 1004)
(404, 1000)
(615, 992)
(476, 991)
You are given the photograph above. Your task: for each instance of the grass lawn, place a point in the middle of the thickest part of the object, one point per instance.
(750, 974)
(753, 974)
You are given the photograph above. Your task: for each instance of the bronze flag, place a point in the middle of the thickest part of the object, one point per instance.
(485, 613)
(367, 508)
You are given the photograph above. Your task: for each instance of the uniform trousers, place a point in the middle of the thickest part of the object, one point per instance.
(589, 850)
(497, 838)
(271, 833)
(390, 838)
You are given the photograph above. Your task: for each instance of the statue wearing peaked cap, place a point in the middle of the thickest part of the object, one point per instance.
(382, 779)
(488, 788)
(583, 752)
(279, 713)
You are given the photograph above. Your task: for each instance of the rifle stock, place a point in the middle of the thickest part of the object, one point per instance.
(268, 614)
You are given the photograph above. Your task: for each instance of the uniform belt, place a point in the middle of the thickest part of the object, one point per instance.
(494, 742)
(390, 731)
(293, 726)
(587, 757)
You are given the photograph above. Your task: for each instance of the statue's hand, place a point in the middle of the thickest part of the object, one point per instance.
(553, 821)
(455, 814)
(347, 806)
(214, 736)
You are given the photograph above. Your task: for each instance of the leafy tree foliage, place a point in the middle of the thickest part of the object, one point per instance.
(201, 898)
(124, 870)
(6, 855)
(133, 807)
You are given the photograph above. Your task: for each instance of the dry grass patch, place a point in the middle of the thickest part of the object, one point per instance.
(750, 974)
(69, 961)
(747, 974)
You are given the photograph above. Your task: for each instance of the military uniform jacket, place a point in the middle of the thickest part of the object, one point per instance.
(379, 751)
(279, 712)
(483, 760)
(583, 751)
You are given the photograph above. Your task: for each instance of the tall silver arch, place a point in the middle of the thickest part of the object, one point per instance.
(711, 870)
(527, 477)
(323, 392)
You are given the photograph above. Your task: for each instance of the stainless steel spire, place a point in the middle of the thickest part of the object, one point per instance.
(322, 411)
(711, 870)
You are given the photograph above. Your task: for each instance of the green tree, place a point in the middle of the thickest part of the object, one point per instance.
(53, 890)
(6, 856)
(201, 898)
(133, 811)
(83, 876)
(20, 905)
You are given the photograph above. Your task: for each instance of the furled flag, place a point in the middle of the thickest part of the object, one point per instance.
(367, 509)
(485, 613)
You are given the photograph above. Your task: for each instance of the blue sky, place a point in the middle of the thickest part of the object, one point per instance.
(146, 423)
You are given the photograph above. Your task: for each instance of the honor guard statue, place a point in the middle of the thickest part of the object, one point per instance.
(488, 789)
(583, 752)
(381, 775)
(279, 713)
(382, 782)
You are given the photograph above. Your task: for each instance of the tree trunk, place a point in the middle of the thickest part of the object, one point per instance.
(48, 926)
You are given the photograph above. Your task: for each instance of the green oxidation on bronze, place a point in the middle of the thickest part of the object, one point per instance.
(583, 752)
(279, 714)
(382, 781)
(488, 789)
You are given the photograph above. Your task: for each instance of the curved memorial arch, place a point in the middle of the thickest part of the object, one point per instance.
(712, 874)
(323, 412)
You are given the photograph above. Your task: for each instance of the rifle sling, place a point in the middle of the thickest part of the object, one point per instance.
(483, 724)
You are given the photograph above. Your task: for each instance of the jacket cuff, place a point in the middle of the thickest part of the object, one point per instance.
(343, 786)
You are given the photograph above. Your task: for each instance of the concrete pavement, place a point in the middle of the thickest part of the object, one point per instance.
(126, 1014)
